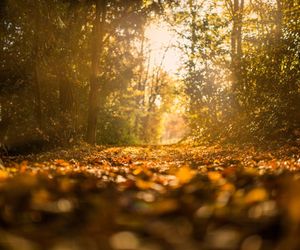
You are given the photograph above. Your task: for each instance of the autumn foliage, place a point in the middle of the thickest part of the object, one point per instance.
(159, 197)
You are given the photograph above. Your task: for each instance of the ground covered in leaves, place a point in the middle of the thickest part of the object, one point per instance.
(151, 198)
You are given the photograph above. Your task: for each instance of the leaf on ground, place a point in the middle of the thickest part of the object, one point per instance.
(3, 175)
(256, 195)
(184, 174)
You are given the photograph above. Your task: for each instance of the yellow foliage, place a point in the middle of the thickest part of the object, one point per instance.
(163, 206)
(256, 195)
(214, 176)
(184, 174)
(3, 175)
(143, 184)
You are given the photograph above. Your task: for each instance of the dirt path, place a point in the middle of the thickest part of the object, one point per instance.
(151, 198)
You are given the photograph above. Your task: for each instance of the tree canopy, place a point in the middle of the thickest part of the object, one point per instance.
(83, 70)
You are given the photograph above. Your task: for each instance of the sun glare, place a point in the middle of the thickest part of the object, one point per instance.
(162, 41)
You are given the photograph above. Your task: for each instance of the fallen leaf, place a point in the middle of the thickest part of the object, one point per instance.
(256, 195)
(184, 174)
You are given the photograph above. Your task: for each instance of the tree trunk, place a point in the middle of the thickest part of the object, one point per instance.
(234, 31)
(194, 37)
(95, 85)
(279, 17)
(239, 31)
(36, 58)
(236, 42)
(67, 100)
(66, 95)
(4, 120)
(140, 87)
(5, 102)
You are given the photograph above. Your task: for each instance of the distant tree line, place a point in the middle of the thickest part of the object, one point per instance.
(76, 69)
(242, 73)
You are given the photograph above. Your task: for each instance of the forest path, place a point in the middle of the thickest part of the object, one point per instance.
(153, 198)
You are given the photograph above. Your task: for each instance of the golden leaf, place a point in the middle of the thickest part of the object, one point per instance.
(214, 176)
(184, 174)
(143, 184)
(3, 175)
(256, 195)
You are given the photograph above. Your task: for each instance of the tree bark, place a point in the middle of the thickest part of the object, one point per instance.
(5, 99)
(95, 84)
(234, 31)
(140, 87)
(66, 88)
(279, 17)
(236, 42)
(194, 37)
(66, 99)
(36, 58)
(239, 30)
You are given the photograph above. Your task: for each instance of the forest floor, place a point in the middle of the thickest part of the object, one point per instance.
(151, 198)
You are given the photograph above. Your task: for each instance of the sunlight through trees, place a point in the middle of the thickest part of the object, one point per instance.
(111, 71)
(149, 124)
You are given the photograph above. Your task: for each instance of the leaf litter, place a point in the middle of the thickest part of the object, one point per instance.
(151, 198)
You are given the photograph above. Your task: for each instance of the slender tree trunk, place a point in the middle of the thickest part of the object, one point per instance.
(234, 31)
(236, 43)
(141, 57)
(2, 37)
(66, 99)
(140, 87)
(279, 17)
(191, 63)
(95, 85)
(36, 58)
(66, 88)
(194, 37)
(239, 30)
(5, 118)
(67, 92)
(5, 100)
